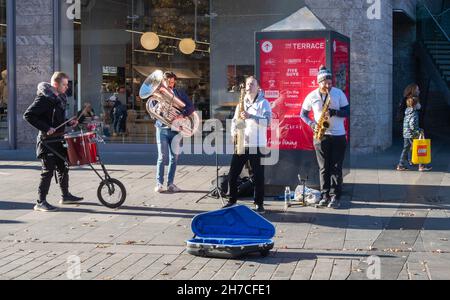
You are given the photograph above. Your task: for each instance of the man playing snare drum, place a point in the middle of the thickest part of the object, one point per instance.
(47, 112)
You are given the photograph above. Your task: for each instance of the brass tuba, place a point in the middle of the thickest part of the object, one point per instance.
(164, 106)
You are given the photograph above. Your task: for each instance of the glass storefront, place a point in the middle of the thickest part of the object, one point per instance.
(109, 47)
(3, 75)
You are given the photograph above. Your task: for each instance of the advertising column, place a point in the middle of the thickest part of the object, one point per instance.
(288, 70)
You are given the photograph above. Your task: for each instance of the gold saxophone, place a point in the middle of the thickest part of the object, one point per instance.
(239, 140)
(324, 122)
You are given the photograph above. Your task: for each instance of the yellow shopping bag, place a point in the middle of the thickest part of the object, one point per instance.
(421, 151)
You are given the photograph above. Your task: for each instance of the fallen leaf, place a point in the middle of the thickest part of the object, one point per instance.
(167, 264)
(130, 242)
(444, 240)
(406, 214)
(165, 274)
(404, 243)
(395, 250)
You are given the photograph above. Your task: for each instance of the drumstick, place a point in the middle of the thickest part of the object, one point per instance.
(71, 119)
(63, 124)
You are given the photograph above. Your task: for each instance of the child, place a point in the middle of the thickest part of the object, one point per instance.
(411, 131)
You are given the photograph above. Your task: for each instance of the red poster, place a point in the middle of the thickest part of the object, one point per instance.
(341, 71)
(288, 74)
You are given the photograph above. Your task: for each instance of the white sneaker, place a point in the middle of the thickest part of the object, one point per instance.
(173, 188)
(159, 188)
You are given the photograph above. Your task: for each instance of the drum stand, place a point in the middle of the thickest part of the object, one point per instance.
(111, 184)
(46, 144)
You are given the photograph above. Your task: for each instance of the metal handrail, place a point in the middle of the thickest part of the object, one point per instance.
(442, 13)
(435, 21)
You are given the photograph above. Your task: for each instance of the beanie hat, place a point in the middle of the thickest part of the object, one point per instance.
(324, 74)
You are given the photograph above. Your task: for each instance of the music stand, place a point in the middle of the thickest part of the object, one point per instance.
(217, 189)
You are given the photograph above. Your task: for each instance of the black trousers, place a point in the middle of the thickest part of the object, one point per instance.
(330, 154)
(237, 164)
(50, 164)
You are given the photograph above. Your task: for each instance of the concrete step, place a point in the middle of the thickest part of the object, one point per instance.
(439, 51)
(443, 62)
(441, 56)
(438, 42)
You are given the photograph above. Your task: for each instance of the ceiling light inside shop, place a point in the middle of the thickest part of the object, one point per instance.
(187, 46)
(150, 40)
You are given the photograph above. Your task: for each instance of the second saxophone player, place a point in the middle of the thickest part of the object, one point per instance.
(330, 147)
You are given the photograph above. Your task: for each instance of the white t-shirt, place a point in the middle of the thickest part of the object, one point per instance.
(315, 102)
(255, 129)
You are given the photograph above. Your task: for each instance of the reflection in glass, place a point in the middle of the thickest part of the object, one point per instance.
(102, 50)
(3, 75)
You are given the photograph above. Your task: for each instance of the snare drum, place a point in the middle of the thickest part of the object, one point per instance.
(81, 148)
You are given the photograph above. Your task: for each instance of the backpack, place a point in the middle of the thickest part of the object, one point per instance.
(245, 185)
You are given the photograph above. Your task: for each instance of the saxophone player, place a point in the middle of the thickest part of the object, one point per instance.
(257, 114)
(330, 148)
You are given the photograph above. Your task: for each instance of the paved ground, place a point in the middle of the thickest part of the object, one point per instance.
(402, 218)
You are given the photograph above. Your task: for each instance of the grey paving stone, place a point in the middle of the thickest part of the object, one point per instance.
(385, 211)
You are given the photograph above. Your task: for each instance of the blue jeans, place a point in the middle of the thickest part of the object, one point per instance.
(404, 157)
(167, 148)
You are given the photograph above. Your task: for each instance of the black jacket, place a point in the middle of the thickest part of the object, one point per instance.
(47, 111)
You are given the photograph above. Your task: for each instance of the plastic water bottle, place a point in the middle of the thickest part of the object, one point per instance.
(287, 198)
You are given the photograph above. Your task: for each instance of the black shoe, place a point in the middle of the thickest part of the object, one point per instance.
(260, 209)
(229, 204)
(44, 207)
(335, 203)
(70, 199)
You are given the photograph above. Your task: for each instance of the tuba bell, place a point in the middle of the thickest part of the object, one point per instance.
(164, 106)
